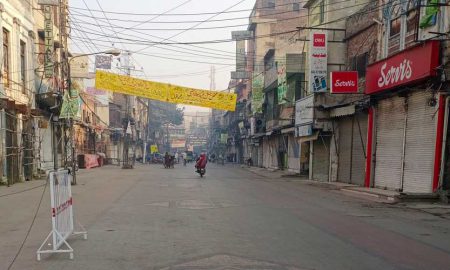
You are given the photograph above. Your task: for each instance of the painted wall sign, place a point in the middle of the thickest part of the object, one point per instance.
(344, 82)
(318, 60)
(409, 66)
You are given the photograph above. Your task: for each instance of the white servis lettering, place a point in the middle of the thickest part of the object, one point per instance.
(395, 74)
(344, 83)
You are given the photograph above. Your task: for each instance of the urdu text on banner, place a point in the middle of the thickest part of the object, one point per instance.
(165, 92)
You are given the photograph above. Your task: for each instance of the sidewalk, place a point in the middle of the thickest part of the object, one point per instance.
(373, 194)
(21, 187)
(95, 192)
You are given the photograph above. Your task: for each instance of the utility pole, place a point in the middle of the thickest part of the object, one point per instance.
(67, 127)
(127, 136)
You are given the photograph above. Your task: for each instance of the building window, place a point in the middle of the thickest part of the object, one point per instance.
(359, 63)
(5, 73)
(270, 4)
(296, 7)
(23, 66)
(322, 12)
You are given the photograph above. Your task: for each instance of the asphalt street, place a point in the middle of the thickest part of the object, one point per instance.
(156, 218)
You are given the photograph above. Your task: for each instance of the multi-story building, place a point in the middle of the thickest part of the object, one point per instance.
(276, 56)
(390, 131)
(408, 88)
(326, 50)
(33, 47)
(17, 89)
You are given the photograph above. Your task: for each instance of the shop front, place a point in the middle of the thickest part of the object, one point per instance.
(351, 143)
(405, 120)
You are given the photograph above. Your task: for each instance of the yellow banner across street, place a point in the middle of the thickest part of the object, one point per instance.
(164, 92)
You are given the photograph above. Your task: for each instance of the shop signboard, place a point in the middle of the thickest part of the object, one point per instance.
(257, 93)
(153, 149)
(240, 37)
(178, 144)
(103, 61)
(318, 60)
(282, 84)
(304, 111)
(49, 42)
(410, 66)
(344, 82)
(223, 138)
(304, 131)
(48, 2)
(79, 67)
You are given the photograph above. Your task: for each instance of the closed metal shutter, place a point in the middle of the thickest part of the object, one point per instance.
(390, 123)
(267, 153)
(273, 152)
(321, 158)
(345, 149)
(260, 155)
(255, 156)
(420, 144)
(359, 149)
(293, 154)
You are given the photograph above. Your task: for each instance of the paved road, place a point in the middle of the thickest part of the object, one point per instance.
(152, 218)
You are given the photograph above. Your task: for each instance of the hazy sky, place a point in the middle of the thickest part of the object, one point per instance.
(184, 73)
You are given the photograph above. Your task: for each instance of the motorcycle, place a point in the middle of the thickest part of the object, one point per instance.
(201, 172)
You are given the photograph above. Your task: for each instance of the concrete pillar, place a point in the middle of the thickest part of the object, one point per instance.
(3, 178)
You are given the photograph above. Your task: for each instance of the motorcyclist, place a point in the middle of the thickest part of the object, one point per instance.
(201, 162)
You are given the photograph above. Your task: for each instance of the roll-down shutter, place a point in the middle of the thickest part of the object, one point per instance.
(420, 144)
(321, 158)
(345, 149)
(359, 148)
(390, 124)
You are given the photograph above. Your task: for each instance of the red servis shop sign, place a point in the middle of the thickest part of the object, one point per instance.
(407, 67)
(344, 82)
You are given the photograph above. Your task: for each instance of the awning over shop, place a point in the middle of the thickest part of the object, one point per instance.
(343, 111)
(313, 137)
(288, 130)
(258, 135)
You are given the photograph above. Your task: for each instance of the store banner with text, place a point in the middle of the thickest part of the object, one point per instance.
(344, 82)
(318, 61)
(282, 83)
(165, 92)
(257, 93)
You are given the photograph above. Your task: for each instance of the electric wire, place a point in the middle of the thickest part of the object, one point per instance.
(186, 14)
(194, 26)
(152, 43)
(269, 16)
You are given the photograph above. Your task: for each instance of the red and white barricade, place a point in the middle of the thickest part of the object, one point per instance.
(62, 216)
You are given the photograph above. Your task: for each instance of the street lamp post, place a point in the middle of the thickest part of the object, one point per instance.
(70, 144)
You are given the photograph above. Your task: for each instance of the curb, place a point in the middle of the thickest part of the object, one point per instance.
(371, 196)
